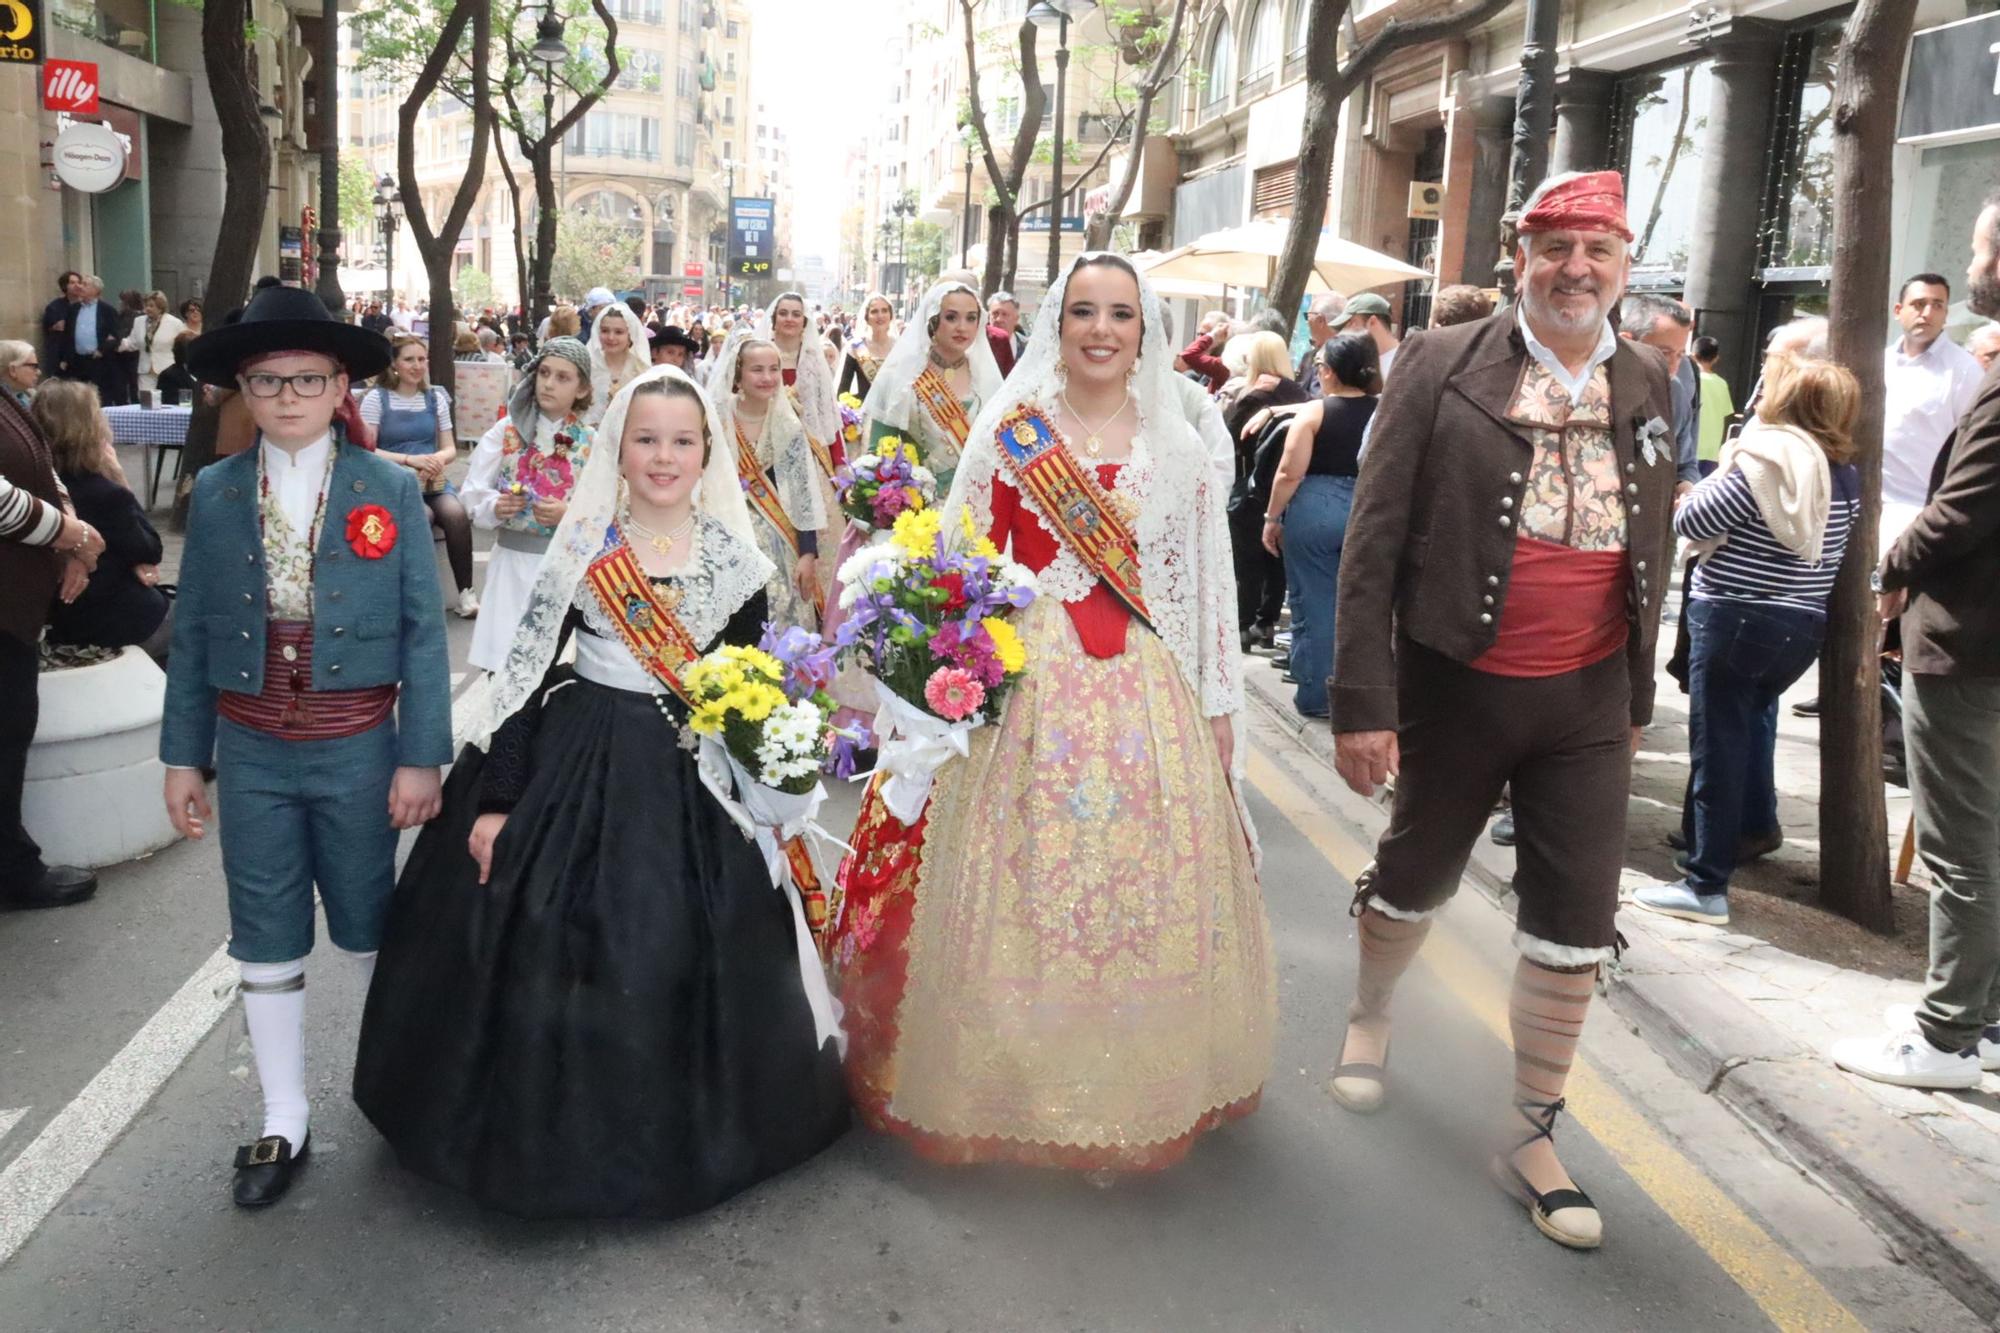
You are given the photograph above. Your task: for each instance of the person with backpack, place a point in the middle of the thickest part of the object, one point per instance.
(1259, 434)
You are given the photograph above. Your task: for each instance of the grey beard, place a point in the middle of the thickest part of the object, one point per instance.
(1546, 313)
(1984, 296)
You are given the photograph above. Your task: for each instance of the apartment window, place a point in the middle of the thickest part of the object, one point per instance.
(1260, 58)
(732, 29)
(1218, 67)
(684, 144)
(1659, 120)
(729, 111)
(690, 16)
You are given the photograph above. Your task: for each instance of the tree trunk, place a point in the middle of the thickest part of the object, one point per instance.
(246, 168)
(1853, 823)
(1328, 84)
(1003, 219)
(438, 246)
(1166, 65)
(514, 211)
(541, 154)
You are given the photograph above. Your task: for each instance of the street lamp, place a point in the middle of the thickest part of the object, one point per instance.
(327, 66)
(729, 224)
(904, 208)
(1056, 14)
(388, 216)
(549, 52)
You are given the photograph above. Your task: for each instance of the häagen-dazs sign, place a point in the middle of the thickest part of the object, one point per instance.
(89, 157)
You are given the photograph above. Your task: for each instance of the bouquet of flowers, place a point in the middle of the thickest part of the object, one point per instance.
(877, 487)
(850, 420)
(934, 626)
(768, 707)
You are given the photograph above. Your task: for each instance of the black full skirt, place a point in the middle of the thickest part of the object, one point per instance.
(614, 1025)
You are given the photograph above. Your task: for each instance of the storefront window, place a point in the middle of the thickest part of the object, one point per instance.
(1663, 121)
(1951, 187)
(1801, 227)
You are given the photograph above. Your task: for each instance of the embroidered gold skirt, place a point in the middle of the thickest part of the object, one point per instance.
(1089, 968)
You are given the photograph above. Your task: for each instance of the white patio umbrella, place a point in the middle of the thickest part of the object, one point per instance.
(1247, 256)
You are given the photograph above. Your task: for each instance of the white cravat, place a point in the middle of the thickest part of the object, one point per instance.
(295, 480)
(1573, 385)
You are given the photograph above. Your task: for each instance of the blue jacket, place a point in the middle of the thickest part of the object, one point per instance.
(375, 622)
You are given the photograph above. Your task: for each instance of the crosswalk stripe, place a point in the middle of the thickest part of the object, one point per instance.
(69, 1145)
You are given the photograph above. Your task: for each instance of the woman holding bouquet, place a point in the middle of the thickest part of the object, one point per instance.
(926, 392)
(778, 476)
(591, 1001)
(870, 346)
(1065, 961)
(521, 486)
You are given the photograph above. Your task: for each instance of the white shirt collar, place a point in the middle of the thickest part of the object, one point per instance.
(311, 458)
(1573, 385)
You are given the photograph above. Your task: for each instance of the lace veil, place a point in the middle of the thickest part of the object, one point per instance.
(1184, 559)
(580, 538)
(892, 399)
(819, 408)
(797, 490)
(601, 372)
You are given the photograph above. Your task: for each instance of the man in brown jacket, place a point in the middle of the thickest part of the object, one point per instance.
(1939, 577)
(1497, 624)
(44, 549)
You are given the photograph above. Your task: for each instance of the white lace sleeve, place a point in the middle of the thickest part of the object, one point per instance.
(1218, 647)
(798, 483)
(479, 492)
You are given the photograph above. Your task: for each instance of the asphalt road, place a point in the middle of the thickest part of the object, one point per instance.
(1300, 1217)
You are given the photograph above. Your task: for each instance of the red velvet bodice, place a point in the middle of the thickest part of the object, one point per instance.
(1101, 620)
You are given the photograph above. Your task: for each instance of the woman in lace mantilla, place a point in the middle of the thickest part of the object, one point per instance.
(591, 1000)
(786, 500)
(1066, 961)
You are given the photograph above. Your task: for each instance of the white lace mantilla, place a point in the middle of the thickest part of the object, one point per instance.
(722, 573)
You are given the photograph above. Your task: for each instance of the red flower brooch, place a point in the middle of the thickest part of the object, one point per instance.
(371, 531)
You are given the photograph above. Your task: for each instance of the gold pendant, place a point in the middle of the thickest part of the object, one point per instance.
(663, 545)
(1092, 445)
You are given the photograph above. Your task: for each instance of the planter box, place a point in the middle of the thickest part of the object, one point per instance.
(94, 773)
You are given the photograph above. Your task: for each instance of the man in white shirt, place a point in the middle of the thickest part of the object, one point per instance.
(1929, 381)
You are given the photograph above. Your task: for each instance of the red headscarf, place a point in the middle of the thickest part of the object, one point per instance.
(1592, 201)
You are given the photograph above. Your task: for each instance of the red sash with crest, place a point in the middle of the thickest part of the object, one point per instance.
(757, 489)
(649, 627)
(936, 397)
(1085, 516)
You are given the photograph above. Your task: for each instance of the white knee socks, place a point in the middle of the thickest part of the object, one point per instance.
(274, 1007)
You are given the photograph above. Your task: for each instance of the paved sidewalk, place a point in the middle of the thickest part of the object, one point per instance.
(1750, 1022)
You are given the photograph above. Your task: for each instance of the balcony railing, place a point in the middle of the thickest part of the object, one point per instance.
(608, 150)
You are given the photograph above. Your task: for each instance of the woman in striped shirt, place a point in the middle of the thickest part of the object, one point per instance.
(1772, 523)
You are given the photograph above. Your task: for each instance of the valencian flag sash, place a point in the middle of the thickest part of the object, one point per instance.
(937, 399)
(649, 627)
(757, 489)
(1084, 515)
(655, 636)
(822, 453)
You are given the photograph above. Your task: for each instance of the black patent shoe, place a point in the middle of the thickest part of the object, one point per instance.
(59, 886)
(264, 1169)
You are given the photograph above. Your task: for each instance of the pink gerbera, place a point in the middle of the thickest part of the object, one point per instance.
(954, 693)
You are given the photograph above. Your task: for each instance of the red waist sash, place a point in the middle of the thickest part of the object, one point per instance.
(289, 707)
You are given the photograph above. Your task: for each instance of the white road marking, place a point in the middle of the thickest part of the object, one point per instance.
(69, 1145)
(9, 1119)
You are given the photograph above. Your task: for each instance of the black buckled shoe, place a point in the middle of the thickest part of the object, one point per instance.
(264, 1169)
(59, 886)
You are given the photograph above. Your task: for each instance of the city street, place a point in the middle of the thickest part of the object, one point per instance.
(127, 1086)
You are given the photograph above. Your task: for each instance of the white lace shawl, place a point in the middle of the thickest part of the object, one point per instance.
(1186, 573)
(892, 398)
(722, 573)
(819, 405)
(605, 379)
(579, 539)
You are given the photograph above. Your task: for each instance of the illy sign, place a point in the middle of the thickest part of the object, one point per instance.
(70, 85)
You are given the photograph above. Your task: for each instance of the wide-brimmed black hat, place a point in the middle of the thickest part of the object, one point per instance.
(671, 335)
(286, 319)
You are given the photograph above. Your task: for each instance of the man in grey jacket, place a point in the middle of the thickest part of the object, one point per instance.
(1939, 578)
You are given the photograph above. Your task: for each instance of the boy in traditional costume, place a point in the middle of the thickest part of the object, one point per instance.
(309, 670)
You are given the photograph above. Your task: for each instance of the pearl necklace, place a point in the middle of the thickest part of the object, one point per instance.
(943, 364)
(1093, 436)
(661, 543)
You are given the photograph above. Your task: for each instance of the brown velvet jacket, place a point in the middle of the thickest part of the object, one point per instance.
(28, 574)
(1430, 541)
(1949, 556)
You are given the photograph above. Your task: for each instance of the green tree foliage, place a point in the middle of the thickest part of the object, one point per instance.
(473, 288)
(592, 252)
(924, 244)
(357, 194)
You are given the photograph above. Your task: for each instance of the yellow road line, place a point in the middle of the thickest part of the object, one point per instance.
(1787, 1292)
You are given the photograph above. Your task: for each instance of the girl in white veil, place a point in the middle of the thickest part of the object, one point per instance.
(588, 985)
(1066, 960)
(785, 491)
(612, 366)
(809, 384)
